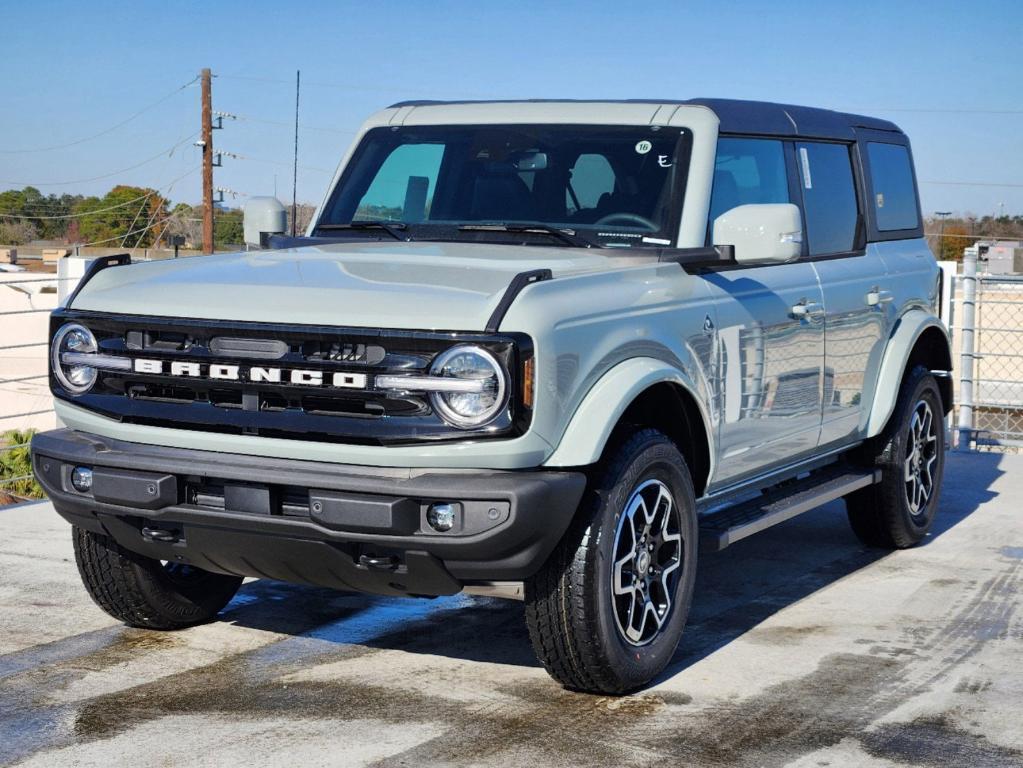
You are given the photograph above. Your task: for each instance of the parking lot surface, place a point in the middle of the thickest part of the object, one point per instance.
(803, 649)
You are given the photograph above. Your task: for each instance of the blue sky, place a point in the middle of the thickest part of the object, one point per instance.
(70, 70)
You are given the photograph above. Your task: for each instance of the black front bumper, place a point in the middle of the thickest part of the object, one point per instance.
(342, 526)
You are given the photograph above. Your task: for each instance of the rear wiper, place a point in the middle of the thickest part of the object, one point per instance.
(568, 236)
(397, 229)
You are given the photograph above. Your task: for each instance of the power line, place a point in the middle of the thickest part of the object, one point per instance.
(939, 110)
(77, 215)
(169, 151)
(305, 126)
(973, 184)
(972, 237)
(366, 88)
(108, 130)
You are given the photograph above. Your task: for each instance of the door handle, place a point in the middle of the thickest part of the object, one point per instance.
(877, 296)
(808, 309)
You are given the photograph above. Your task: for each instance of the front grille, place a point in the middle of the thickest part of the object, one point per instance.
(334, 399)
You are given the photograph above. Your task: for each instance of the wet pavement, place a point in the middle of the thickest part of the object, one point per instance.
(803, 649)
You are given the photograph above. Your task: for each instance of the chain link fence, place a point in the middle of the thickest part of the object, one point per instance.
(987, 332)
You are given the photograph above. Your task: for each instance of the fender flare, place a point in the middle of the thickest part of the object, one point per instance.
(591, 425)
(908, 331)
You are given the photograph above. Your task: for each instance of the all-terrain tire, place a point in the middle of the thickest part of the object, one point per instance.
(143, 592)
(890, 514)
(574, 611)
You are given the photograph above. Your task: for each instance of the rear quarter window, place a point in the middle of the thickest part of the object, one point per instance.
(891, 174)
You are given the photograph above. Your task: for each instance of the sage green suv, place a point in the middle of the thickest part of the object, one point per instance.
(538, 350)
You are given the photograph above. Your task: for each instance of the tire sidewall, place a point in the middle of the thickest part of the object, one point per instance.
(657, 460)
(926, 389)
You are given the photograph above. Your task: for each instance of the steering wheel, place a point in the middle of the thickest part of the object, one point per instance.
(627, 218)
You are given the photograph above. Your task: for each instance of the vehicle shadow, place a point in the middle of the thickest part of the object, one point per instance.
(736, 589)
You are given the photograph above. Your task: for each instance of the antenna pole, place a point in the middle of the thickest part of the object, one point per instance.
(294, 172)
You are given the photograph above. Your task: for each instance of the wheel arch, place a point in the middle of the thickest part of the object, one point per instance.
(642, 392)
(919, 339)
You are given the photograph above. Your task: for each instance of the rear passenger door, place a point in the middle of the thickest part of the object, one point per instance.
(771, 356)
(858, 313)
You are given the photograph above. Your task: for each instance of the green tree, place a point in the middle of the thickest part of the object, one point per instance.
(134, 215)
(227, 228)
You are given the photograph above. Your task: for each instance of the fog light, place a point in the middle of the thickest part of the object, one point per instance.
(81, 479)
(441, 517)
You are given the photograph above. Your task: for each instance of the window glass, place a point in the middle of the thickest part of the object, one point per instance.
(402, 189)
(612, 185)
(894, 191)
(829, 197)
(748, 171)
(592, 177)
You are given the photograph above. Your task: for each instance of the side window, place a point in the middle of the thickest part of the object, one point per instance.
(592, 177)
(404, 185)
(829, 197)
(748, 171)
(891, 175)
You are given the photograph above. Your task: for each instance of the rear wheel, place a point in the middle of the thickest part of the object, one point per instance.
(897, 512)
(606, 612)
(148, 593)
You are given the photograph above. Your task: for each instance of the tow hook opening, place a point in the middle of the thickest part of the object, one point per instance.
(161, 535)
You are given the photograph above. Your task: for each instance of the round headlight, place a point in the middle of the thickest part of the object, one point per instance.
(479, 404)
(76, 377)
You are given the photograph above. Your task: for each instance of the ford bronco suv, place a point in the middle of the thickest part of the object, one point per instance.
(541, 350)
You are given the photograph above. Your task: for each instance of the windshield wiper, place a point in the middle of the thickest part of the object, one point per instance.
(397, 229)
(568, 236)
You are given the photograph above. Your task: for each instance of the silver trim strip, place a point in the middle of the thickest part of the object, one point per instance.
(93, 360)
(430, 384)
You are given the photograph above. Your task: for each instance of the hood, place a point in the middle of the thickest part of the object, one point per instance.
(428, 286)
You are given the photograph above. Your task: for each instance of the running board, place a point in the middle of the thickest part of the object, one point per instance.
(727, 526)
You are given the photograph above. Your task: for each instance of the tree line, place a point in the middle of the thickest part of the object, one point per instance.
(948, 238)
(126, 216)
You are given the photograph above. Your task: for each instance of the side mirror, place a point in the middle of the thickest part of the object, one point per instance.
(769, 233)
(263, 216)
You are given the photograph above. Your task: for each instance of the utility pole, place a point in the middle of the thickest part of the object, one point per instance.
(207, 163)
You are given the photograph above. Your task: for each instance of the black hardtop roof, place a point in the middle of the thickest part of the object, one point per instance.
(738, 116)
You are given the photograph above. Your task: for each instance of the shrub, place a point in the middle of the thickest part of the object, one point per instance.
(16, 479)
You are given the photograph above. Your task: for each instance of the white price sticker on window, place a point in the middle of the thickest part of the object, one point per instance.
(804, 163)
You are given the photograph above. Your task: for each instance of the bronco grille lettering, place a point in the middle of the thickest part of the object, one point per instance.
(255, 374)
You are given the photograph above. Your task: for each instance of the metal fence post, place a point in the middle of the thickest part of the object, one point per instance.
(966, 342)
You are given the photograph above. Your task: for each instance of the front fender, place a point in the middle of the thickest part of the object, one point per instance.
(893, 365)
(593, 421)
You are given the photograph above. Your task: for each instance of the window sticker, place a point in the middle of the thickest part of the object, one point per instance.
(642, 147)
(804, 163)
(664, 161)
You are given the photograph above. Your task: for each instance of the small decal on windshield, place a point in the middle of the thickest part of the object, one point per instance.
(664, 161)
(642, 147)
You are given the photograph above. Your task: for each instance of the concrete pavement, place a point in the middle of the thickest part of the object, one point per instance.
(803, 649)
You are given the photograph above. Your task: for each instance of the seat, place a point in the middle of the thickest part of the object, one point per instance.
(500, 195)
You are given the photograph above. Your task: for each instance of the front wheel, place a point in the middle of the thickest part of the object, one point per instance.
(147, 593)
(606, 612)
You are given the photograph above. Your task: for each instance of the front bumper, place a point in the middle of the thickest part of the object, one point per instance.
(342, 526)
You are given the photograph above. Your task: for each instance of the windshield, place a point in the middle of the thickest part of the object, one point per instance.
(610, 185)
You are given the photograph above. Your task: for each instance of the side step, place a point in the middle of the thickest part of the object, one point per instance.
(727, 526)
